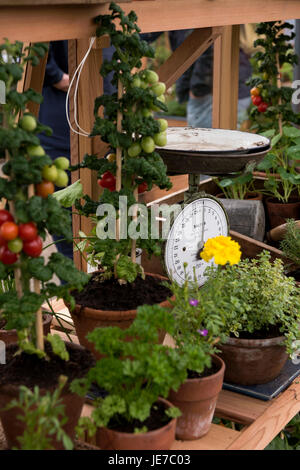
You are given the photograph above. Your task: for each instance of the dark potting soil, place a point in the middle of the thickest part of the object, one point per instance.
(156, 420)
(206, 372)
(272, 332)
(294, 274)
(110, 295)
(29, 370)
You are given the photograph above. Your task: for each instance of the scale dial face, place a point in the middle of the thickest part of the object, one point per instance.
(199, 220)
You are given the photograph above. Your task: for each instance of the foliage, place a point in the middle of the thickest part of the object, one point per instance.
(136, 372)
(136, 100)
(290, 244)
(24, 168)
(255, 294)
(43, 416)
(237, 185)
(289, 438)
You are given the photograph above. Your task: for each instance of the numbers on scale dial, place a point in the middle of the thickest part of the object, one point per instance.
(201, 219)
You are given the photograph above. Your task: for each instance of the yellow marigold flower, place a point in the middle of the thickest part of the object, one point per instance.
(222, 249)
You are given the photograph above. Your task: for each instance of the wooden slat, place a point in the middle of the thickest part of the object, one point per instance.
(282, 409)
(186, 54)
(54, 2)
(239, 408)
(218, 438)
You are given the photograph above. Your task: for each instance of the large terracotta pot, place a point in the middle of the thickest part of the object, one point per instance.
(11, 336)
(253, 361)
(159, 439)
(279, 212)
(196, 399)
(13, 427)
(86, 319)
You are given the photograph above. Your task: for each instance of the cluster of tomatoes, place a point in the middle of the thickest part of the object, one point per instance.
(257, 100)
(15, 238)
(52, 174)
(108, 181)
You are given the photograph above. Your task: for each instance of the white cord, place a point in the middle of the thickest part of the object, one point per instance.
(77, 71)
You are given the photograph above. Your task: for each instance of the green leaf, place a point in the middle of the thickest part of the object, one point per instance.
(67, 196)
(290, 131)
(58, 346)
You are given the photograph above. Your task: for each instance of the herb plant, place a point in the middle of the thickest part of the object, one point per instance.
(30, 211)
(238, 185)
(132, 133)
(290, 244)
(43, 417)
(136, 373)
(255, 294)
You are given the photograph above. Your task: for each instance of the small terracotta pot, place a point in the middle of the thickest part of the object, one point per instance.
(86, 319)
(196, 399)
(11, 336)
(159, 439)
(14, 428)
(253, 361)
(278, 212)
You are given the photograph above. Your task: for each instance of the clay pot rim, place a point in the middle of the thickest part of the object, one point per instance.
(131, 435)
(292, 200)
(13, 389)
(212, 376)
(48, 319)
(255, 343)
(90, 312)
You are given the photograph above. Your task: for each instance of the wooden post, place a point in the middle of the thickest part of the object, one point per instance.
(226, 78)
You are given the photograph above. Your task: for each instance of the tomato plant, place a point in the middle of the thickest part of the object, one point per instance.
(9, 230)
(256, 100)
(28, 231)
(15, 246)
(107, 181)
(142, 187)
(5, 216)
(44, 189)
(34, 247)
(7, 256)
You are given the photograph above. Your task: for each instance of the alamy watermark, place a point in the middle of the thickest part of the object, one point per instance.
(2, 92)
(2, 353)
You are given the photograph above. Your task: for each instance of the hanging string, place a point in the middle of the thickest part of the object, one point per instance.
(77, 71)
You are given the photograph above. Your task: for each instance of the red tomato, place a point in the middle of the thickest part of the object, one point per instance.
(142, 187)
(5, 216)
(108, 181)
(44, 188)
(28, 231)
(262, 107)
(34, 247)
(3, 242)
(9, 230)
(256, 100)
(7, 256)
(255, 91)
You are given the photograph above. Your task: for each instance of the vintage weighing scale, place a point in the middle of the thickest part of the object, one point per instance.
(215, 152)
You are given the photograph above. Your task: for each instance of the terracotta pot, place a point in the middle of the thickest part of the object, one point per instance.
(197, 400)
(86, 319)
(159, 439)
(11, 336)
(278, 212)
(13, 427)
(253, 361)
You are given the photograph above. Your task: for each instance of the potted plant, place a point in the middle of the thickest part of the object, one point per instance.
(198, 322)
(273, 116)
(137, 376)
(260, 308)
(114, 292)
(30, 212)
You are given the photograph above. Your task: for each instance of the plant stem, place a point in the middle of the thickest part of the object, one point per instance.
(119, 168)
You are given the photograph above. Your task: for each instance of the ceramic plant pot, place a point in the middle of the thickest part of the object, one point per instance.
(11, 336)
(279, 212)
(159, 439)
(196, 399)
(13, 427)
(86, 319)
(253, 361)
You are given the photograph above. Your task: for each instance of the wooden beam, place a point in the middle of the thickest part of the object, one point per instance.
(186, 54)
(226, 78)
(58, 22)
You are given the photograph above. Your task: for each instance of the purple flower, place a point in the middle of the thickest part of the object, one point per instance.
(202, 332)
(193, 302)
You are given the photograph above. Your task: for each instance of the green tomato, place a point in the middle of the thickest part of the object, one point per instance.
(35, 151)
(160, 139)
(62, 163)
(15, 245)
(62, 179)
(158, 88)
(163, 124)
(134, 150)
(144, 84)
(147, 112)
(28, 123)
(151, 76)
(49, 173)
(148, 144)
(136, 82)
(159, 98)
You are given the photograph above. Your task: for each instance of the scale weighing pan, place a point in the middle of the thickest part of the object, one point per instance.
(211, 151)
